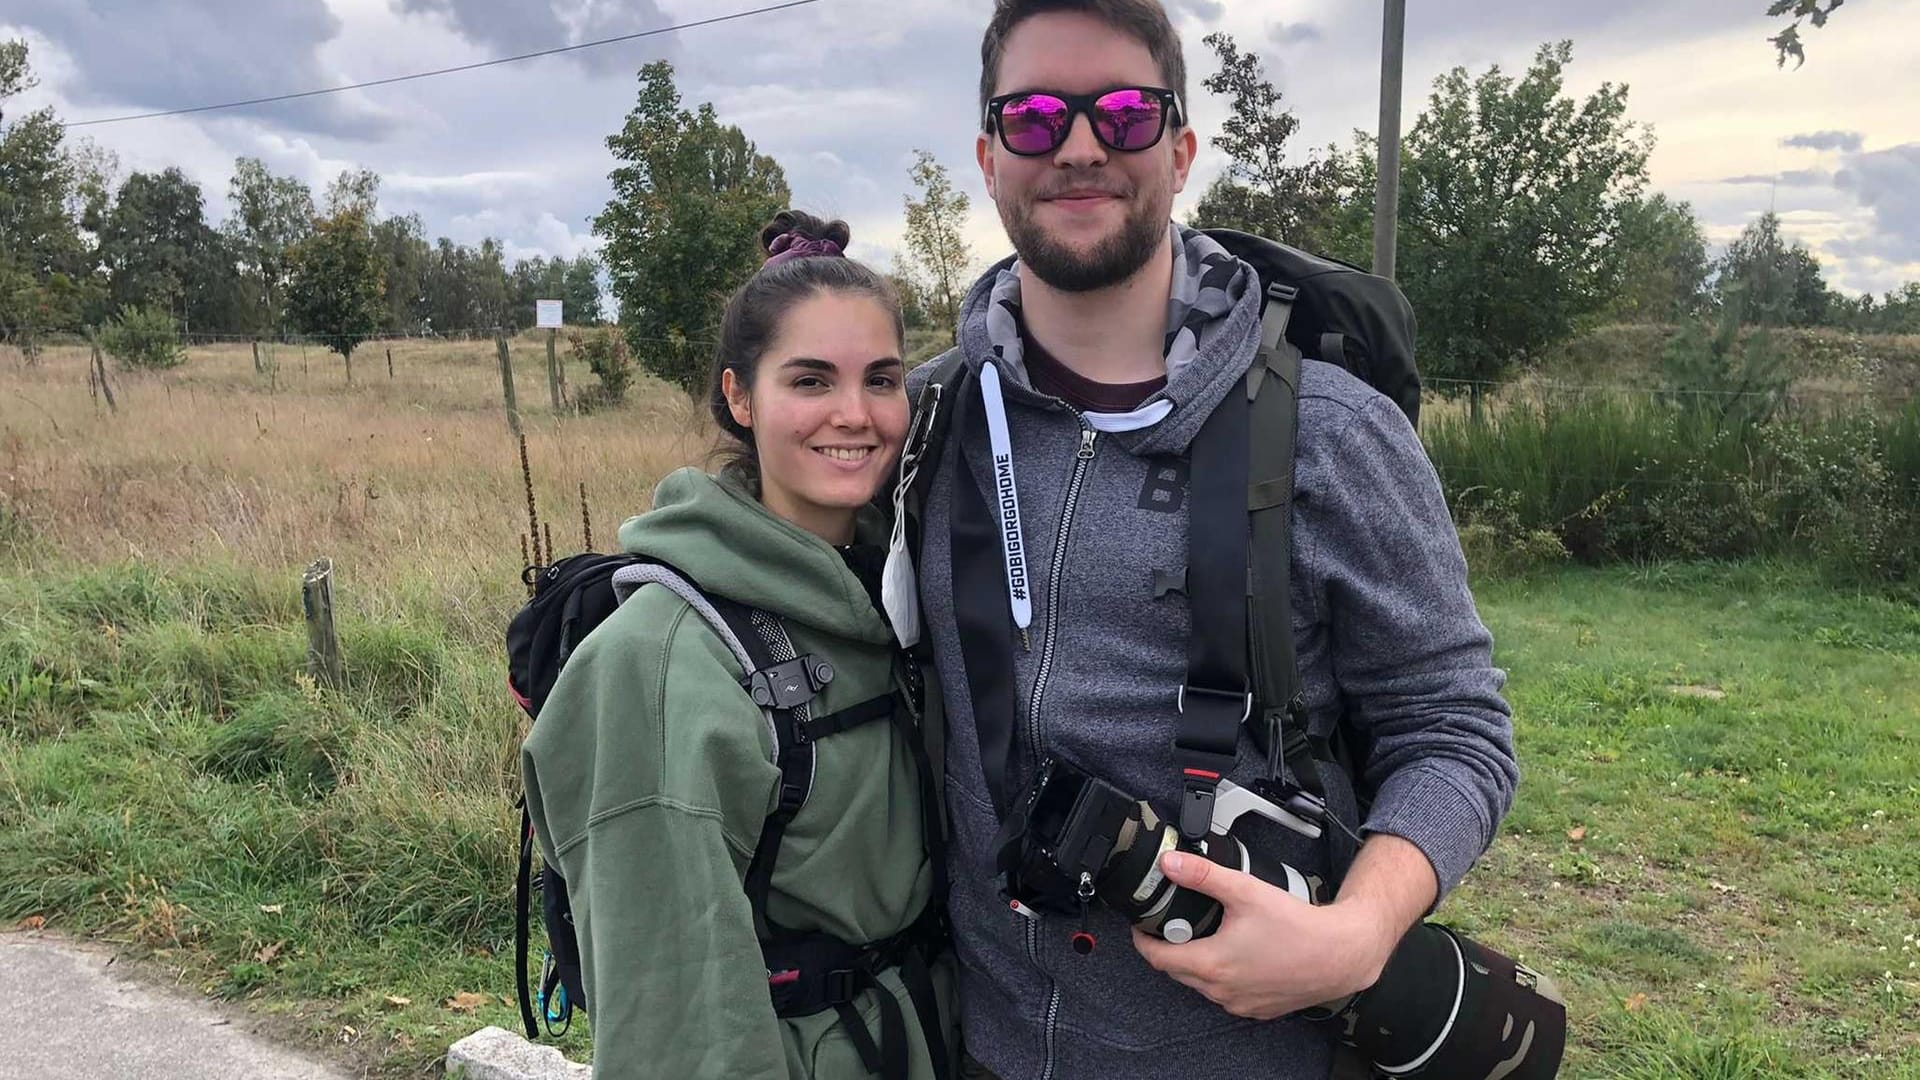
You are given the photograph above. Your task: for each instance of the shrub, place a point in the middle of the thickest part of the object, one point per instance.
(142, 337)
(1496, 540)
(606, 354)
(1612, 479)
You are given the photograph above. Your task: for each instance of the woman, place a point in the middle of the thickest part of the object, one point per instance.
(725, 932)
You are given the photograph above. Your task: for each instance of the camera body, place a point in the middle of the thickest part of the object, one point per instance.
(1445, 1006)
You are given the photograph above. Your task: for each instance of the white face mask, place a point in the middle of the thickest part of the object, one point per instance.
(899, 591)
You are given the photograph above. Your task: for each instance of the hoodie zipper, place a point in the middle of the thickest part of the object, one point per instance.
(1083, 460)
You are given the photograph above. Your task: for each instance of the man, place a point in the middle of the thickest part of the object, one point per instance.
(1096, 357)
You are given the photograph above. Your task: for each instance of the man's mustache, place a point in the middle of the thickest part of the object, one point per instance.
(1086, 183)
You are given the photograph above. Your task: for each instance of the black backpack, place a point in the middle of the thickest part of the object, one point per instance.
(806, 972)
(1326, 309)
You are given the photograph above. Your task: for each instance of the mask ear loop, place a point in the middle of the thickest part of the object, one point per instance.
(899, 591)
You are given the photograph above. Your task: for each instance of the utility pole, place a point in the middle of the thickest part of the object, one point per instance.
(1386, 202)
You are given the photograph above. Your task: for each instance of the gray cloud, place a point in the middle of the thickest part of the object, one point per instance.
(1786, 178)
(1850, 141)
(1282, 33)
(1207, 11)
(1887, 182)
(187, 53)
(518, 26)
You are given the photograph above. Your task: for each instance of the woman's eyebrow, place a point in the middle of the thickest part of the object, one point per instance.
(809, 363)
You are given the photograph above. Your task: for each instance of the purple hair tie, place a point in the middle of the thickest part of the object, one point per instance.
(789, 246)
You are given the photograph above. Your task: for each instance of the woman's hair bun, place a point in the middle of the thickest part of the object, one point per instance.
(807, 226)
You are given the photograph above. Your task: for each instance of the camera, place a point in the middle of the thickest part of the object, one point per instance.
(1445, 1005)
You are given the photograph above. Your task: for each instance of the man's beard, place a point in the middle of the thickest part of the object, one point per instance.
(1113, 259)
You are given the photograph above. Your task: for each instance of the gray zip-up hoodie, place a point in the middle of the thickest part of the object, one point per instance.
(1386, 633)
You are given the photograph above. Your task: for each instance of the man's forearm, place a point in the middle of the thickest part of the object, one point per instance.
(1389, 887)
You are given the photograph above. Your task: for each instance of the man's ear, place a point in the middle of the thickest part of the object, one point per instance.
(983, 153)
(739, 402)
(1185, 145)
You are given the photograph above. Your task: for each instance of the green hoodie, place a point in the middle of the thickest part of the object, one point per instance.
(650, 773)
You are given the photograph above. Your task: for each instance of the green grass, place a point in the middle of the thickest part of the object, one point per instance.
(1742, 902)
(1737, 750)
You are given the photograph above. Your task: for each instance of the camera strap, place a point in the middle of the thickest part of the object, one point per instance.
(1216, 698)
(980, 610)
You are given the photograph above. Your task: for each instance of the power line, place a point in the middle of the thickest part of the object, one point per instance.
(447, 70)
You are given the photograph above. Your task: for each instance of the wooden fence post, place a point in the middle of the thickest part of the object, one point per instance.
(257, 369)
(100, 375)
(389, 361)
(553, 371)
(323, 644)
(506, 381)
(348, 357)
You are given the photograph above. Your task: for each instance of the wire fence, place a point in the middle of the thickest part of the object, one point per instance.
(1525, 386)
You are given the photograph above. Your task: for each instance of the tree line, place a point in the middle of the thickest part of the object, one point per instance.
(1525, 218)
(81, 247)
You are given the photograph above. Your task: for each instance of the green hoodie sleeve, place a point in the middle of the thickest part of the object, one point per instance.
(651, 771)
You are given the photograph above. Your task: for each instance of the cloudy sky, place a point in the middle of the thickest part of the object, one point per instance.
(842, 91)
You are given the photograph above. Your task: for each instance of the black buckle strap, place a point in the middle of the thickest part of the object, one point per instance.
(789, 684)
(816, 972)
(1203, 747)
(819, 727)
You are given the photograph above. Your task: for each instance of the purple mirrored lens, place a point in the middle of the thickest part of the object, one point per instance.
(1129, 119)
(1033, 124)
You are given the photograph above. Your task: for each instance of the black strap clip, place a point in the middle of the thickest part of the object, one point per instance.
(789, 684)
(1203, 747)
(842, 986)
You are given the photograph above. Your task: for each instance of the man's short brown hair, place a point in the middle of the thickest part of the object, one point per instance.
(1143, 20)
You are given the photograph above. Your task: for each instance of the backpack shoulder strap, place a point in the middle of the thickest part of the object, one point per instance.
(927, 438)
(1273, 388)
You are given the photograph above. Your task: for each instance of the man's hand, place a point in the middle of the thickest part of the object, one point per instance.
(1273, 954)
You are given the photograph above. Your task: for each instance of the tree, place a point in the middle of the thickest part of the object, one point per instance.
(937, 254)
(466, 289)
(336, 292)
(580, 291)
(159, 251)
(43, 259)
(913, 303)
(1715, 372)
(1779, 282)
(1787, 42)
(1663, 274)
(404, 254)
(269, 215)
(1512, 194)
(1898, 313)
(1262, 192)
(573, 282)
(689, 196)
(354, 189)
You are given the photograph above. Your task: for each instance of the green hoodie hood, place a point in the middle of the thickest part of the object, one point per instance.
(715, 532)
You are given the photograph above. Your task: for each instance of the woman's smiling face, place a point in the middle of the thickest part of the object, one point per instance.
(828, 409)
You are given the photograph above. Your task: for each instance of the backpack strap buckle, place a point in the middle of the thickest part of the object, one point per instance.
(1203, 747)
(789, 684)
(841, 986)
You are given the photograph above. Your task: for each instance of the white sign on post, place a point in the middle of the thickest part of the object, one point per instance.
(547, 314)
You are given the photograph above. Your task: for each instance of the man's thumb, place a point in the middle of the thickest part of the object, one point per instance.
(1201, 874)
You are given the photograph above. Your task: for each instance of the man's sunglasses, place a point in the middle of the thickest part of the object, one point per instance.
(1127, 119)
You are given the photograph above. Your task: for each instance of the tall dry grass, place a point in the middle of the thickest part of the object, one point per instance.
(410, 483)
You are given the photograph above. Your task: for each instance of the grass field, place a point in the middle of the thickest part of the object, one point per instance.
(1714, 845)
